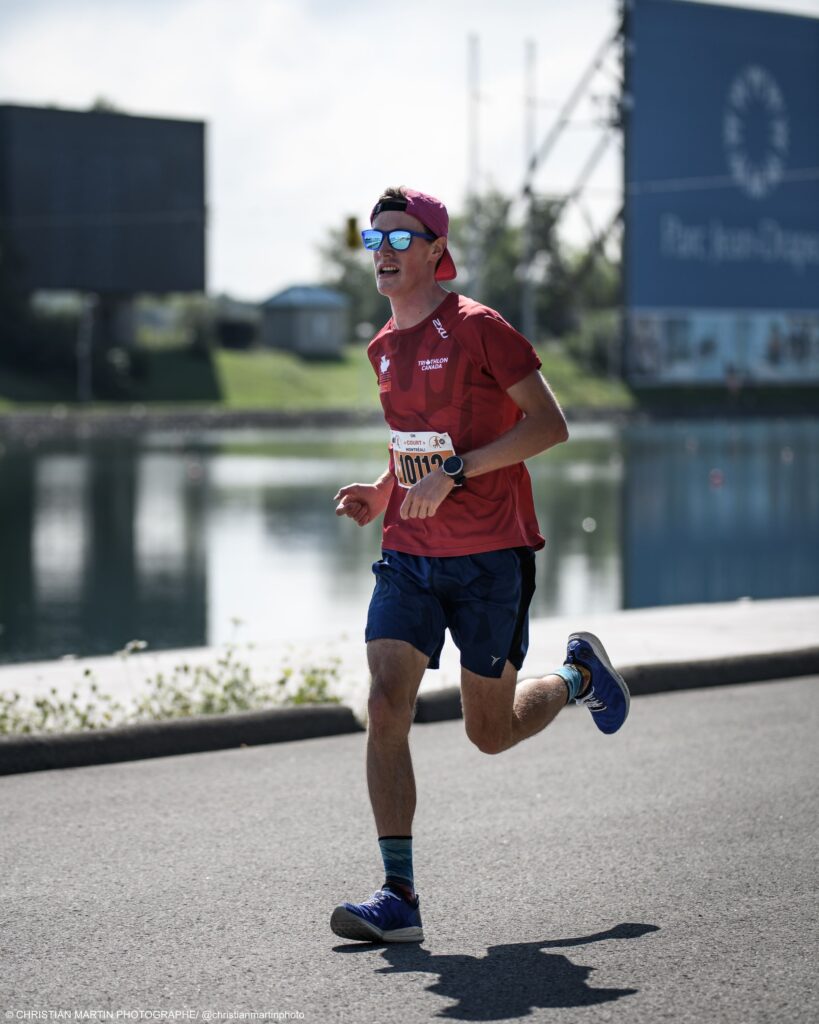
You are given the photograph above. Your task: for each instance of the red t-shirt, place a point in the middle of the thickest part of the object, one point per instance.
(449, 375)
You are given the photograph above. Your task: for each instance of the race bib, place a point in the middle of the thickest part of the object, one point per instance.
(417, 453)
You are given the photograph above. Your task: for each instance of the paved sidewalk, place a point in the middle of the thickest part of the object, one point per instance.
(664, 874)
(688, 633)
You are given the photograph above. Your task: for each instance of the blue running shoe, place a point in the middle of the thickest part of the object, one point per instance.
(384, 917)
(607, 697)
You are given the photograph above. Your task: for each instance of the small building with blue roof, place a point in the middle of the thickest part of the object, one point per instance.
(310, 320)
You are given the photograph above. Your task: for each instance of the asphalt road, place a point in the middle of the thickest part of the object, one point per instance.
(668, 873)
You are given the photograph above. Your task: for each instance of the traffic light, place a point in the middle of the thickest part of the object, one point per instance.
(353, 237)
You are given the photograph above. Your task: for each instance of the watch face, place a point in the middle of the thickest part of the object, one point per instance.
(453, 465)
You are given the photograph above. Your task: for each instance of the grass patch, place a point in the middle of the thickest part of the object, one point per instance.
(577, 388)
(176, 375)
(276, 380)
(279, 380)
(270, 379)
(20, 388)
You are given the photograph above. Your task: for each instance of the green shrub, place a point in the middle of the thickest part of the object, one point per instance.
(222, 687)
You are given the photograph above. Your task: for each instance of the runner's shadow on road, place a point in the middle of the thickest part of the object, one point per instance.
(511, 980)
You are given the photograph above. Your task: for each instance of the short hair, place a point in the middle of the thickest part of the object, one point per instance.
(392, 192)
(398, 192)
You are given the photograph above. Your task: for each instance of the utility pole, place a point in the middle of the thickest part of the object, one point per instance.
(527, 311)
(625, 105)
(473, 254)
(538, 157)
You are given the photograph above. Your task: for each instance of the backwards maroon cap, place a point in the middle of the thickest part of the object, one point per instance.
(432, 214)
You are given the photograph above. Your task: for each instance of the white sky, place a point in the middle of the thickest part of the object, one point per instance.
(313, 106)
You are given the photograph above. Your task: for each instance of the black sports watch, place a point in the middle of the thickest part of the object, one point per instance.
(454, 469)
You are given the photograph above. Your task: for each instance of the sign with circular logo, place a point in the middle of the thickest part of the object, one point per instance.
(755, 131)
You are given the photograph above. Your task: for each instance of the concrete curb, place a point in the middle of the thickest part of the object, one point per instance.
(177, 736)
(279, 725)
(662, 677)
(747, 668)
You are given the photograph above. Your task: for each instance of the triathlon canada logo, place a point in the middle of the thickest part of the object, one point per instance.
(433, 364)
(755, 131)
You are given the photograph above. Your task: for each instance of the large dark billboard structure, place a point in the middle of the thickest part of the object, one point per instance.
(721, 256)
(102, 202)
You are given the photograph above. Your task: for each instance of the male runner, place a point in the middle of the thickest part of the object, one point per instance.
(465, 403)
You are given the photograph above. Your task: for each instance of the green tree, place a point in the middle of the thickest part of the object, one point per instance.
(499, 243)
(350, 271)
(555, 305)
(595, 278)
(486, 226)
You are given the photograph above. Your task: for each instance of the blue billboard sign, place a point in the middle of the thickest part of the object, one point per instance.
(722, 195)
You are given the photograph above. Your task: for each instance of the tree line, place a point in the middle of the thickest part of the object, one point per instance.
(567, 282)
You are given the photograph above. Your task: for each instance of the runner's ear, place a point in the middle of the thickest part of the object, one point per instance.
(438, 247)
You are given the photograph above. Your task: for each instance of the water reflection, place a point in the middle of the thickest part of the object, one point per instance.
(580, 568)
(171, 541)
(99, 545)
(716, 512)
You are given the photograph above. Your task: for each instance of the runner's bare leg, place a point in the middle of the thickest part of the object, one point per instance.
(396, 669)
(499, 713)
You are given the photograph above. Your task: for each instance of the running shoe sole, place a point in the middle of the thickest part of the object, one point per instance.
(350, 926)
(600, 653)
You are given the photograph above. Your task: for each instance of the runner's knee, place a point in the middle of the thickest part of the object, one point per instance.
(388, 713)
(488, 739)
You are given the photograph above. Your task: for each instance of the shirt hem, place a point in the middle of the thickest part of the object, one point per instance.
(453, 551)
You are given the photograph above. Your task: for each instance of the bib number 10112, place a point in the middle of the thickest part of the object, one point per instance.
(413, 468)
(418, 453)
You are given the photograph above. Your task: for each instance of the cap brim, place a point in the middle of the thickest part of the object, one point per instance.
(446, 268)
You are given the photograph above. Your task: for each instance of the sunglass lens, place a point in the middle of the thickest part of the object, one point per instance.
(372, 239)
(400, 239)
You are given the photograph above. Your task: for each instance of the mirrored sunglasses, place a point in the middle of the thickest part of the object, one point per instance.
(399, 239)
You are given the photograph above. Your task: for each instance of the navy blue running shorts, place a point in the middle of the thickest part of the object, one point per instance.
(482, 599)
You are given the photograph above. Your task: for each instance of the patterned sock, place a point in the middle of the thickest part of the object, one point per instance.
(396, 852)
(572, 677)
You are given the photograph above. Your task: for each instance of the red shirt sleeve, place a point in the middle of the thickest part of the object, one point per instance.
(497, 349)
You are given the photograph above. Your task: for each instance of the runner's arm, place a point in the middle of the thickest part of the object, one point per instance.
(542, 427)
(365, 502)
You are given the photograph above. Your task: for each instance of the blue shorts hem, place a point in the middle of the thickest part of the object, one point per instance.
(482, 599)
(394, 634)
